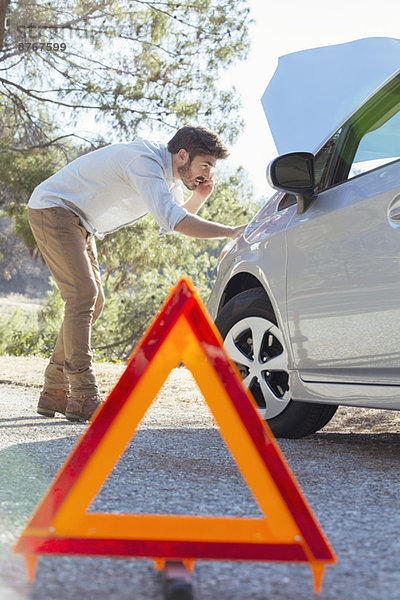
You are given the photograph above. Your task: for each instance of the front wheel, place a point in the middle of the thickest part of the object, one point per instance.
(256, 344)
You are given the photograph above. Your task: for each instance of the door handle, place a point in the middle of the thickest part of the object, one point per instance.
(393, 212)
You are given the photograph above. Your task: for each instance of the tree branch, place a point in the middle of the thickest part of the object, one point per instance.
(51, 142)
(167, 14)
(3, 11)
(29, 93)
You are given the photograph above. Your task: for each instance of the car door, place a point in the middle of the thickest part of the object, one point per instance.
(343, 270)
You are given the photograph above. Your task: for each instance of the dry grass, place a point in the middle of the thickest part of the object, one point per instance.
(28, 372)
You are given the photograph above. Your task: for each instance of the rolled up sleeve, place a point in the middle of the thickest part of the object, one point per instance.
(147, 177)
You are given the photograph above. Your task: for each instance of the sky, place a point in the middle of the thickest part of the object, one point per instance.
(282, 27)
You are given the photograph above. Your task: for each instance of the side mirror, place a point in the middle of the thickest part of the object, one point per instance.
(294, 173)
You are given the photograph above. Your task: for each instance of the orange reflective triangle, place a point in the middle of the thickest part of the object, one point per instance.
(181, 332)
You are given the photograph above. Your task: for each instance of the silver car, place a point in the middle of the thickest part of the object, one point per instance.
(308, 300)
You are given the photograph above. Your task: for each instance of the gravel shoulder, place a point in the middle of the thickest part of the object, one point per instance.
(177, 462)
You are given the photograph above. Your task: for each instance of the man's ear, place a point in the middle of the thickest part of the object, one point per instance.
(183, 155)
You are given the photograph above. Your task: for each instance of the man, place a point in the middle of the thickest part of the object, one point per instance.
(97, 194)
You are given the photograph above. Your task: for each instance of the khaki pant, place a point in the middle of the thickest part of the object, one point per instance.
(70, 253)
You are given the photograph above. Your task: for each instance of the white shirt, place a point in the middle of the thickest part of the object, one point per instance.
(116, 185)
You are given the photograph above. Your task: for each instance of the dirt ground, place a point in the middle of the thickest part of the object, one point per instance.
(28, 372)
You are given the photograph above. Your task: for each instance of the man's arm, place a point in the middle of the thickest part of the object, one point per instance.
(194, 203)
(197, 227)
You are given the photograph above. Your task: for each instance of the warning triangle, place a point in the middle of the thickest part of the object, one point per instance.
(181, 332)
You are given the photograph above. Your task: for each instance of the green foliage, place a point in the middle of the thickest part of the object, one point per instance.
(139, 266)
(126, 62)
(25, 333)
(131, 64)
(18, 333)
(21, 172)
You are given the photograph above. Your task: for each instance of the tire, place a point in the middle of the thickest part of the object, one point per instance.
(246, 320)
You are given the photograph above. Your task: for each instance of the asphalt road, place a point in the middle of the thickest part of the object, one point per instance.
(178, 463)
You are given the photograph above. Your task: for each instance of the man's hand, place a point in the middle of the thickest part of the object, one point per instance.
(199, 196)
(204, 189)
(237, 231)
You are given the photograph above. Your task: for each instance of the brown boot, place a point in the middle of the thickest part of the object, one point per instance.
(51, 402)
(81, 409)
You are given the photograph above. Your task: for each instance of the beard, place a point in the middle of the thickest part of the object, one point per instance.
(186, 176)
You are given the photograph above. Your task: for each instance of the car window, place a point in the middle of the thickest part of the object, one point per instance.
(371, 138)
(379, 146)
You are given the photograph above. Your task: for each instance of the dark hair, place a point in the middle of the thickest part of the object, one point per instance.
(197, 140)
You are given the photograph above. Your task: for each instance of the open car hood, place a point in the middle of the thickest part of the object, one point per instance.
(313, 92)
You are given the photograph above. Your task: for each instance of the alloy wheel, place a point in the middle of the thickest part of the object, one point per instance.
(256, 346)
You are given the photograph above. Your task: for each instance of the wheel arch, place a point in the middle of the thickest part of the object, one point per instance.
(240, 283)
(245, 280)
